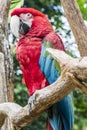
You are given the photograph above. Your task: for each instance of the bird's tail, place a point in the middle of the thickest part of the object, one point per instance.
(61, 115)
(48, 126)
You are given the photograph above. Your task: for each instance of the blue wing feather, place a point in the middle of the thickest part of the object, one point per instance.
(47, 66)
(62, 111)
(54, 73)
(42, 58)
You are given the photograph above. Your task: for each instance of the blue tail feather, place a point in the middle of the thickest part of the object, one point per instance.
(62, 114)
(62, 111)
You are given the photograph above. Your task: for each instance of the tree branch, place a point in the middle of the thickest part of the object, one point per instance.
(77, 24)
(74, 72)
(76, 66)
(7, 110)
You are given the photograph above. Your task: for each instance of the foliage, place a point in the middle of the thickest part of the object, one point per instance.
(51, 8)
(54, 11)
(80, 105)
(83, 7)
(16, 4)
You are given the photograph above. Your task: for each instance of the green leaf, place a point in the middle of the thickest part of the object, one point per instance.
(83, 8)
(47, 44)
(15, 4)
(57, 66)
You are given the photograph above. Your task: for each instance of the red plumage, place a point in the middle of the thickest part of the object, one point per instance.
(28, 49)
(34, 12)
(28, 53)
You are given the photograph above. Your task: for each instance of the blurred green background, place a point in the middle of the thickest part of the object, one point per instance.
(54, 10)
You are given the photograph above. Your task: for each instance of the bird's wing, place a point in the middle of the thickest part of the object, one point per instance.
(62, 111)
(48, 65)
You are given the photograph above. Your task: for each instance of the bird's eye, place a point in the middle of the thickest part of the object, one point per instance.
(28, 14)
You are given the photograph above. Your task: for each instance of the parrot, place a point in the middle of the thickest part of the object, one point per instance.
(36, 34)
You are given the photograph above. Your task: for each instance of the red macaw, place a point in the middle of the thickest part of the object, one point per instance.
(39, 69)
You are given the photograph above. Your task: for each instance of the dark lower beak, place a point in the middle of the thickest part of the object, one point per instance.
(23, 28)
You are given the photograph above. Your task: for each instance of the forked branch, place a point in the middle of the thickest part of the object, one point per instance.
(74, 73)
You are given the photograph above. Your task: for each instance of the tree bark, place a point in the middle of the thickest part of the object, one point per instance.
(5, 49)
(74, 73)
(3, 89)
(6, 67)
(77, 24)
(4, 120)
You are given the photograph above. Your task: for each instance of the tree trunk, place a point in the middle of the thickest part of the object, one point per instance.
(3, 89)
(4, 95)
(4, 47)
(6, 67)
(77, 24)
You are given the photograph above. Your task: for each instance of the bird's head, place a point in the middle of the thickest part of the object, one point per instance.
(29, 20)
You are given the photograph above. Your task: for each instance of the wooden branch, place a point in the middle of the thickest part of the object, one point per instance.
(74, 72)
(41, 100)
(77, 24)
(7, 109)
(76, 66)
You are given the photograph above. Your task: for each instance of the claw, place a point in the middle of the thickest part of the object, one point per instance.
(32, 101)
(30, 104)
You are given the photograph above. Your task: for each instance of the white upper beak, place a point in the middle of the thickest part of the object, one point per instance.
(14, 25)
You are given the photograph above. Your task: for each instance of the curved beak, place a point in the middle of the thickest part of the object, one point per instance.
(18, 26)
(14, 25)
(23, 28)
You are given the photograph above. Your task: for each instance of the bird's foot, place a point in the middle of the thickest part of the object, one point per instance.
(32, 101)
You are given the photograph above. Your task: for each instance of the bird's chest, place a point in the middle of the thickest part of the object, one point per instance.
(28, 51)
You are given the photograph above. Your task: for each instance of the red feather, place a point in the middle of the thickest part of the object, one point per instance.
(29, 48)
(28, 53)
(34, 12)
(48, 126)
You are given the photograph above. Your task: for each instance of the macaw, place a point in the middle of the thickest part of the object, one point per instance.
(36, 34)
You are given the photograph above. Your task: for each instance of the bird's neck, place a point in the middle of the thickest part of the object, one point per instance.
(40, 28)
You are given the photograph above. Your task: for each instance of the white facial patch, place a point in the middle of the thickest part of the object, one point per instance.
(27, 19)
(14, 25)
(29, 22)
